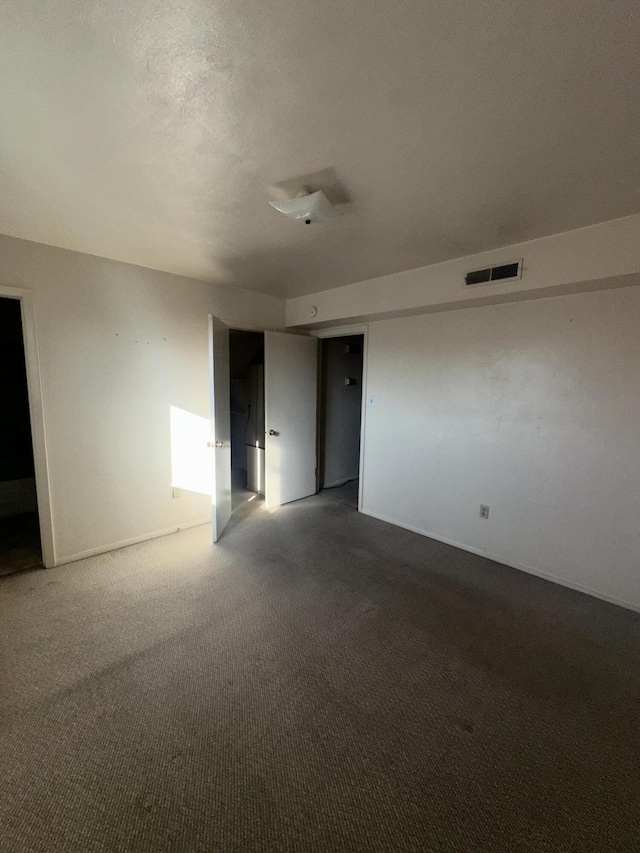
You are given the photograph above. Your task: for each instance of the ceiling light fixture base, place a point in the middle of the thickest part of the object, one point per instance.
(308, 208)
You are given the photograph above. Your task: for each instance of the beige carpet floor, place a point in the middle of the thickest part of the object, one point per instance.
(318, 681)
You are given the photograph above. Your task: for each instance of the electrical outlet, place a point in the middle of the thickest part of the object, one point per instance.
(484, 511)
(177, 492)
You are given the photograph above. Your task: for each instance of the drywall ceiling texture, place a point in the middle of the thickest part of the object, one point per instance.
(156, 133)
(121, 349)
(531, 409)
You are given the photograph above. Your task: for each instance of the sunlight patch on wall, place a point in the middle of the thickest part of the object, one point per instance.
(191, 459)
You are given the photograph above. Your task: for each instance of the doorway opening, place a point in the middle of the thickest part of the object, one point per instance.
(246, 386)
(275, 440)
(341, 364)
(20, 546)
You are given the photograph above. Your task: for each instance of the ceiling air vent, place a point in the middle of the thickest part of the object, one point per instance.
(504, 272)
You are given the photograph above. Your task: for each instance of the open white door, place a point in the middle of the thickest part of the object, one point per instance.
(220, 424)
(290, 379)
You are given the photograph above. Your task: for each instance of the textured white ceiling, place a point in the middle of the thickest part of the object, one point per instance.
(156, 131)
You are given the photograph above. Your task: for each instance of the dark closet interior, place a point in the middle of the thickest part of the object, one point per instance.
(340, 417)
(246, 364)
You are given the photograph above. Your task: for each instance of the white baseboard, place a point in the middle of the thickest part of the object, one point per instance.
(529, 569)
(115, 546)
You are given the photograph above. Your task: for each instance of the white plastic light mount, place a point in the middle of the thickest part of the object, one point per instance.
(314, 207)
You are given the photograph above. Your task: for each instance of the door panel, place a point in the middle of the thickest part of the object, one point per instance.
(290, 377)
(220, 424)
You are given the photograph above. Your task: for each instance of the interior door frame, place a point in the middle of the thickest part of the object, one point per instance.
(239, 326)
(343, 332)
(36, 412)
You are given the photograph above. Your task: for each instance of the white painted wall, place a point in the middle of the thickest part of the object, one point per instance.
(532, 408)
(592, 258)
(119, 345)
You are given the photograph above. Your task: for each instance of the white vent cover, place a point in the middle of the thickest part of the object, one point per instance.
(504, 272)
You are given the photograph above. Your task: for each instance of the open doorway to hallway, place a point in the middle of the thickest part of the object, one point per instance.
(246, 385)
(341, 363)
(19, 526)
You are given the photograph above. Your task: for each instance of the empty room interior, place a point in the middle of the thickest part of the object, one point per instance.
(320, 435)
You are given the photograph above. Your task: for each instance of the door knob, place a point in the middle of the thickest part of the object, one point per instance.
(215, 444)
(273, 432)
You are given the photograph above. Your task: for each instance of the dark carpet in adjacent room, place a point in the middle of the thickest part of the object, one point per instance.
(19, 543)
(346, 494)
(318, 681)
